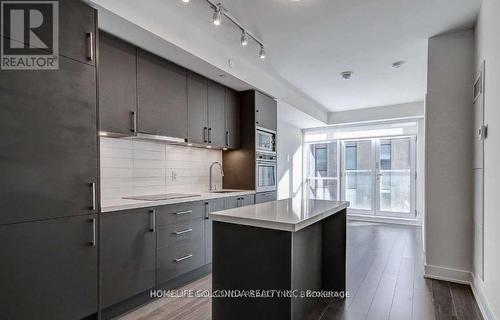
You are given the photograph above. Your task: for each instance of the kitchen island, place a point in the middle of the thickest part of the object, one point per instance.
(268, 257)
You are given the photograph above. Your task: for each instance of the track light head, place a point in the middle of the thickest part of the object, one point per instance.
(262, 53)
(244, 38)
(217, 18)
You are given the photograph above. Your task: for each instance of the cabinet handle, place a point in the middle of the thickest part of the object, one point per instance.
(90, 46)
(209, 135)
(205, 134)
(183, 231)
(227, 138)
(134, 121)
(207, 210)
(183, 258)
(183, 212)
(93, 205)
(152, 212)
(92, 240)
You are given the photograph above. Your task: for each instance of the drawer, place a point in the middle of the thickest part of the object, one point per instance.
(180, 212)
(173, 234)
(176, 260)
(265, 197)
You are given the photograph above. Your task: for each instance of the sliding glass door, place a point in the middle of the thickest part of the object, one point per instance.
(378, 176)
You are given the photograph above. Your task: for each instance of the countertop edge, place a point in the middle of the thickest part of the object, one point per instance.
(149, 204)
(281, 226)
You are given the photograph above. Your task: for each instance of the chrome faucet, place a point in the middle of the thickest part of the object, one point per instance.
(210, 174)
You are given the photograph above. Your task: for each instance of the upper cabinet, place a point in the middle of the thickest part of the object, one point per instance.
(117, 85)
(216, 117)
(197, 108)
(232, 112)
(265, 111)
(162, 96)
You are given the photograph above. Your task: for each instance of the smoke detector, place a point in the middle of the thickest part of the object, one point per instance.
(346, 75)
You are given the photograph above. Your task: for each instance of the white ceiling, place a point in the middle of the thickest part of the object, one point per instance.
(310, 42)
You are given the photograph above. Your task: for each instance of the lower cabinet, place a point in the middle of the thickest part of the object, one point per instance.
(180, 240)
(239, 201)
(266, 196)
(210, 206)
(128, 248)
(48, 269)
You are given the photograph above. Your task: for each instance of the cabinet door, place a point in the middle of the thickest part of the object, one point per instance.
(265, 197)
(247, 200)
(211, 206)
(232, 110)
(49, 142)
(48, 269)
(265, 111)
(117, 85)
(231, 202)
(162, 96)
(128, 247)
(197, 108)
(216, 117)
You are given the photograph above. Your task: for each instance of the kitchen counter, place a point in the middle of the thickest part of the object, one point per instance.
(125, 204)
(288, 215)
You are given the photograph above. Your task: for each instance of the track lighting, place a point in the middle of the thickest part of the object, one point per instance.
(244, 38)
(217, 19)
(262, 53)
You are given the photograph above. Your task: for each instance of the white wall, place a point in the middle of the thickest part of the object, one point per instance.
(397, 111)
(488, 48)
(448, 115)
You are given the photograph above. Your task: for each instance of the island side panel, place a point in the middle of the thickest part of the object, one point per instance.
(306, 268)
(250, 258)
(334, 252)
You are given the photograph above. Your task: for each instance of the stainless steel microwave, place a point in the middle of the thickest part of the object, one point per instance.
(265, 140)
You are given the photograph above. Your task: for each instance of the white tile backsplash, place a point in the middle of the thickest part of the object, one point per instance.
(134, 167)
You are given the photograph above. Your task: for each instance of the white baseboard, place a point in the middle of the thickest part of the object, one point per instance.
(361, 217)
(477, 290)
(448, 274)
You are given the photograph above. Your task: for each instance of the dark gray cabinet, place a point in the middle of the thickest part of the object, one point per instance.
(210, 206)
(265, 196)
(197, 108)
(117, 85)
(232, 111)
(162, 96)
(216, 116)
(265, 111)
(239, 201)
(49, 142)
(180, 240)
(128, 253)
(76, 31)
(48, 269)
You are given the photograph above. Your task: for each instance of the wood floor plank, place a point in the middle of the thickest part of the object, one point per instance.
(463, 300)
(443, 303)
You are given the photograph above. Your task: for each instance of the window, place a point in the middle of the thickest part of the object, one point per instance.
(322, 171)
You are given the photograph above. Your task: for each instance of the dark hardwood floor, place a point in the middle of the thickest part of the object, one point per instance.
(385, 267)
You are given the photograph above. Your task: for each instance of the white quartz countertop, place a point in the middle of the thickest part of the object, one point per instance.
(125, 204)
(291, 214)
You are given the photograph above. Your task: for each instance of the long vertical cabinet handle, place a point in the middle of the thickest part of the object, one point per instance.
(92, 238)
(209, 135)
(134, 121)
(90, 46)
(93, 191)
(152, 227)
(205, 134)
(207, 210)
(227, 138)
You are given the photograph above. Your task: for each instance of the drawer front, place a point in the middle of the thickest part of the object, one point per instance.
(173, 235)
(176, 260)
(181, 212)
(265, 197)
